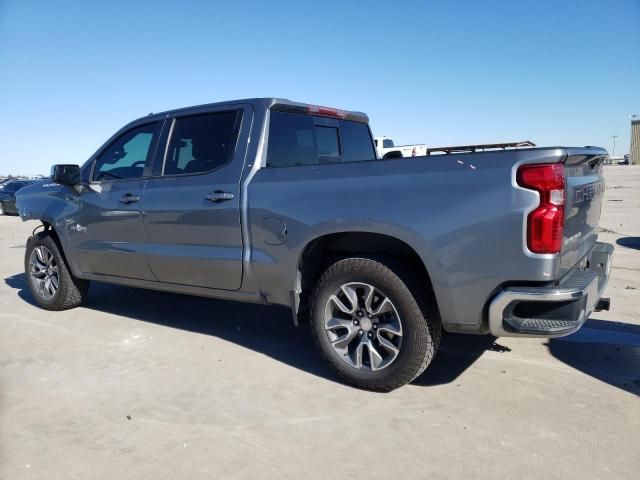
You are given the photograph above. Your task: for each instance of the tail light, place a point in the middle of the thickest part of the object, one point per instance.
(545, 224)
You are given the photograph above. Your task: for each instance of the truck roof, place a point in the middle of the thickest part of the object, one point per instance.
(275, 103)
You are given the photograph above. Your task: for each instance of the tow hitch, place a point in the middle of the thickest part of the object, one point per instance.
(603, 304)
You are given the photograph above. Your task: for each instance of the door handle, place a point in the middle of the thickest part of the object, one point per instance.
(219, 196)
(129, 198)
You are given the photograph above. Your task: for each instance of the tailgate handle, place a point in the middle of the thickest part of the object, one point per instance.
(219, 196)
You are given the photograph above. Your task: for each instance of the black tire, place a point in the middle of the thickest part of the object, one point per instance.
(420, 321)
(71, 291)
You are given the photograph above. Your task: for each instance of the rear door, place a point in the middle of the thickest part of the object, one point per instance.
(192, 202)
(584, 193)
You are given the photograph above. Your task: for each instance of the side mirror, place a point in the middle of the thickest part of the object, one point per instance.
(66, 174)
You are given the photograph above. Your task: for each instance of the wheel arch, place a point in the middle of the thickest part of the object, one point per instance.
(393, 154)
(50, 227)
(324, 249)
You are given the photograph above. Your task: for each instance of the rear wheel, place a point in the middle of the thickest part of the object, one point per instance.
(369, 326)
(51, 283)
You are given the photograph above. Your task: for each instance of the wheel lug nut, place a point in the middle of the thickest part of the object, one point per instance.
(375, 326)
(359, 313)
(370, 335)
(356, 322)
(360, 332)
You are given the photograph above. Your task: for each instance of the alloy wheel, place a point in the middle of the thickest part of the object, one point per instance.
(363, 326)
(44, 271)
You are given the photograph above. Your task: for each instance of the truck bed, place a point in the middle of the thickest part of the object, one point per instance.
(463, 213)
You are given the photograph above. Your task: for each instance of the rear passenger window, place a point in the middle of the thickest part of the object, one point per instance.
(201, 143)
(295, 139)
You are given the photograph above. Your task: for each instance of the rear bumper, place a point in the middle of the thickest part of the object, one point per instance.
(556, 310)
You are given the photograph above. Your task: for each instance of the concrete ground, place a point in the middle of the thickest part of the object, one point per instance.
(139, 384)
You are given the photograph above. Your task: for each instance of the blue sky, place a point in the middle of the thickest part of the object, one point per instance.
(434, 72)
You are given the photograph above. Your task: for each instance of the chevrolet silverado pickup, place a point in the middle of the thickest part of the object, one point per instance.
(284, 203)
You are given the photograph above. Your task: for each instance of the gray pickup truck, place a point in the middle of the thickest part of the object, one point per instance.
(278, 202)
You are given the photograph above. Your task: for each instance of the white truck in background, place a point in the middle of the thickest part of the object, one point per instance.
(386, 149)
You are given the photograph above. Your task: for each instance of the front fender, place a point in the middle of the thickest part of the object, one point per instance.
(48, 203)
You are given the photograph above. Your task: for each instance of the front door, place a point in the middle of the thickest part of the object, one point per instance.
(192, 204)
(106, 231)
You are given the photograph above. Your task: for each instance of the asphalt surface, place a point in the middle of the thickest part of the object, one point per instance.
(140, 384)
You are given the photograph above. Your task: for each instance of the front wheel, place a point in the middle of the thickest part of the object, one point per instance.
(51, 283)
(370, 327)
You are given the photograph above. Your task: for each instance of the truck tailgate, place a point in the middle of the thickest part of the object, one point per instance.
(583, 203)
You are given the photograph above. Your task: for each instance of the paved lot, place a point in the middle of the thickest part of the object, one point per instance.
(139, 384)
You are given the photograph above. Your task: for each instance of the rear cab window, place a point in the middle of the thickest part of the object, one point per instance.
(356, 141)
(297, 139)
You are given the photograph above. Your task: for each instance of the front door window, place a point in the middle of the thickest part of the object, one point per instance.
(127, 156)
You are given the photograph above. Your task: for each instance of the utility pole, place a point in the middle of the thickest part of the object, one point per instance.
(613, 153)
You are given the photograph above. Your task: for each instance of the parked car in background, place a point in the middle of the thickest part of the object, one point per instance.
(8, 195)
(385, 148)
(284, 203)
